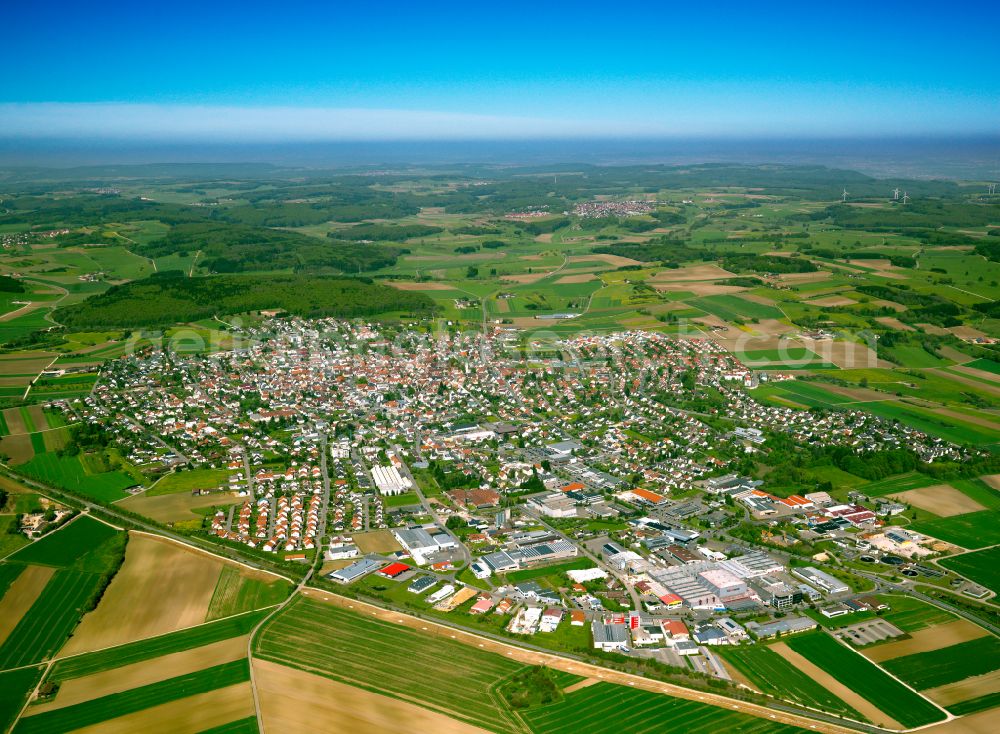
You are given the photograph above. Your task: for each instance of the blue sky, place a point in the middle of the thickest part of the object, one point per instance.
(334, 70)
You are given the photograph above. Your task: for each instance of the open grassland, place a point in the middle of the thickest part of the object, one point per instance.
(293, 700)
(63, 547)
(866, 679)
(606, 708)
(15, 687)
(91, 663)
(127, 702)
(774, 675)
(981, 567)
(238, 591)
(136, 606)
(381, 656)
(948, 664)
(50, 620)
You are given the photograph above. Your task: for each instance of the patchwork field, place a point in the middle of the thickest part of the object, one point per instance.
(147, 672)
(134, 606)
(294, 700)
(926, 640)
(365, 652)
(143, 705)
(21, 594)
(852, 670)
(771, 673)
(948, 664)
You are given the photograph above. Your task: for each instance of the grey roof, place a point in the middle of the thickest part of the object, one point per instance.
(609, 633)
(356, 570)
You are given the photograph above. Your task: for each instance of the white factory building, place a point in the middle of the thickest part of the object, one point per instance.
(389, 481)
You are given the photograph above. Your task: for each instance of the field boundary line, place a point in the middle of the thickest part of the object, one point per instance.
(949, 716)
(607, 674)
(213, 555)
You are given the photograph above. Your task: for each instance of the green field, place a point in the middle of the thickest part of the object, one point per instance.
(516, 577)
(112, 706)
(606, 708)
(865, 679)
(236, 593)
(898, 483)
(963, 708)
(981, 567)
(69, 473)
(8, 574)
(809, 394)
(734, 308)
(911, 614)
(986, 365)
(243, 726)
(50, 620)
(972, 530)
(154, 647)
(188, 481)
(15, 687)
(948, 664)
(379, 656)
(790, 354)
(64, 547)
(932, 423)
(775, 676)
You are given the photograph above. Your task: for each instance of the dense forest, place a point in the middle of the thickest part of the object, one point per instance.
(231, 248)
(169, 298)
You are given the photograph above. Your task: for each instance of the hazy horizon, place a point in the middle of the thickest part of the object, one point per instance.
(970, 157)
(309, 72)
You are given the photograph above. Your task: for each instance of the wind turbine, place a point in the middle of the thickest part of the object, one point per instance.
(992, 189)
(895, 194)
(906, 197)
(843, 196)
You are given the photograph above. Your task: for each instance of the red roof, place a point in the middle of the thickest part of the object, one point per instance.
(647, 495)
(394, 569)
(674, 627)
